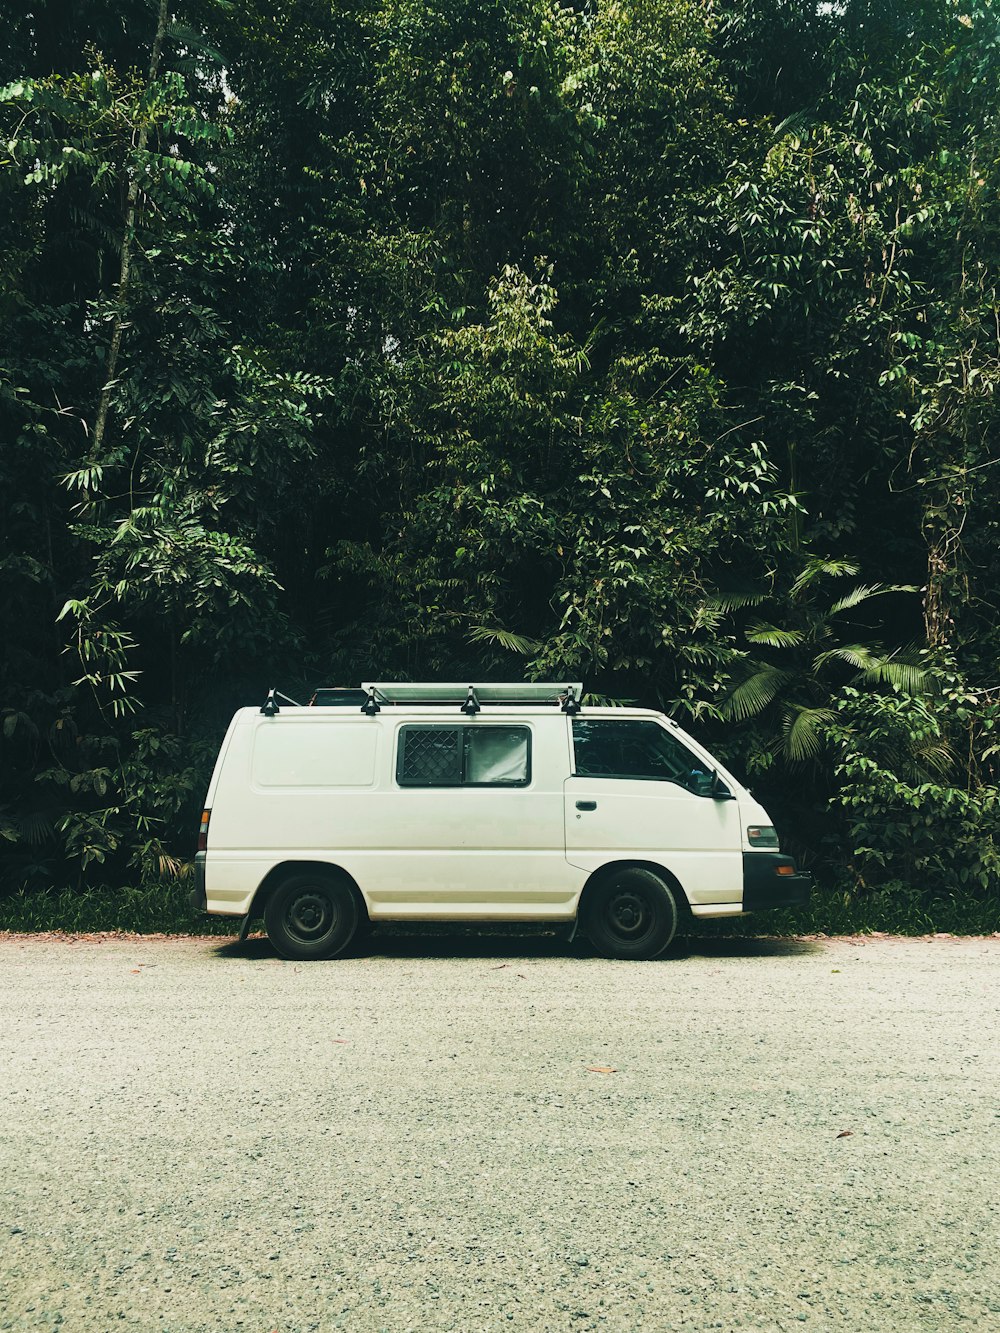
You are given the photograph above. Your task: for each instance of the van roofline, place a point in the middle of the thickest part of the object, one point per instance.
(438, 711)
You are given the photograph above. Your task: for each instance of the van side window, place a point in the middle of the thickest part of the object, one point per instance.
(636, 749)
(463, 756)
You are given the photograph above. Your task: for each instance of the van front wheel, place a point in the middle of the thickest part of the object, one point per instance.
(633, 914)
(311, 914)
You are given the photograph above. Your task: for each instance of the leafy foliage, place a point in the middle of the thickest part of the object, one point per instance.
(808, 661)
(907, 823)
(655, 343)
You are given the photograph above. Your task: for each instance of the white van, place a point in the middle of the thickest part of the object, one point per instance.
(408, 802)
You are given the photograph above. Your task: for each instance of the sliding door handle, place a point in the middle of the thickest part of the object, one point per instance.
(586, 805)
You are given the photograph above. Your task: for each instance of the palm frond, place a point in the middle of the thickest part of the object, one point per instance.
(735, 601)
(863, 592)
(35, 826)
(753, 694)
(503, 638)
(774, 637)
(907, 676)
(803, 732)
(857, 655)
(798, 123)
(819, 569)
(936, 758)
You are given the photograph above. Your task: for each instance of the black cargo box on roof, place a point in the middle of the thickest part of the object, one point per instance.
(330, 697)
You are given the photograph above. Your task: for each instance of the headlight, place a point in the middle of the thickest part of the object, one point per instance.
(762, 835)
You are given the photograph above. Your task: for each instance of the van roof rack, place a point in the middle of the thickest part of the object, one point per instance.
(470, 698)
(373, 694)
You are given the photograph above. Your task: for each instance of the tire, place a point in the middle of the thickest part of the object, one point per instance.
(312, 914)
(632, 914)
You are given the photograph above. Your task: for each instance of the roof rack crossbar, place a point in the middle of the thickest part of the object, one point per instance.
(372, 695)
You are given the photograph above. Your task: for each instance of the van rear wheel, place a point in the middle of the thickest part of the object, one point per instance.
(632, 914)
(311, 914)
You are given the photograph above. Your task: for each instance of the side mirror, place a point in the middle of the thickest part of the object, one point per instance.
(720, 792)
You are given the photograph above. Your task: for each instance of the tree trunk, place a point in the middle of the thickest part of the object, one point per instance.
(941, 526)
(128, 246)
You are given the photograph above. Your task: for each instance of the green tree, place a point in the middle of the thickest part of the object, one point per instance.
(173, 445)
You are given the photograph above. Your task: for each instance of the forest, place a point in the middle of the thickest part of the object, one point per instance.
(653, 343)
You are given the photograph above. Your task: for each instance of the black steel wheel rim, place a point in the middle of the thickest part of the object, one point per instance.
(629, 915)
(310, 915)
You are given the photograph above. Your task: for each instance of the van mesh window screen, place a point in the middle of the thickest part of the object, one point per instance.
(432, 757)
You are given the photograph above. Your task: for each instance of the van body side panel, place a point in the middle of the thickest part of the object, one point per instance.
(221, 759)
(696, 838)
(323, 788)
(297, 787)
(231, 872)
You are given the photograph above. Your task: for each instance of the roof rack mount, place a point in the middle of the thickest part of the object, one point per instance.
(270, 705)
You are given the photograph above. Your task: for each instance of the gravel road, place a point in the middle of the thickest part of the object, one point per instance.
(510, 1133)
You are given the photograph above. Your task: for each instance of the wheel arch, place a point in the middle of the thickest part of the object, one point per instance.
(611, 868)
(277, 874)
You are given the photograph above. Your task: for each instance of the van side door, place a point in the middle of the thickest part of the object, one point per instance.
(471, 822)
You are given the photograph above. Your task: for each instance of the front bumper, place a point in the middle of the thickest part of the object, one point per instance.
(767, 882)
(198, 899)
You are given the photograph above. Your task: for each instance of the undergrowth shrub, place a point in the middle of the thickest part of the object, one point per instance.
(912, 834)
